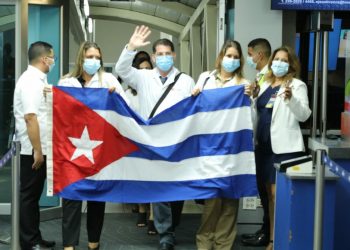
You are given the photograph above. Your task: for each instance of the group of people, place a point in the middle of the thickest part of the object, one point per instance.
(279, 102)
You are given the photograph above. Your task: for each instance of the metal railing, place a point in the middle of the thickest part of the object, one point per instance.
(14, 153)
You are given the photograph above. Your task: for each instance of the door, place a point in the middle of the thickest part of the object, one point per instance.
(7, 86)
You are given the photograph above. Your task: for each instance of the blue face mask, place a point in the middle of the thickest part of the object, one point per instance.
(164, 63)
(91, 65)
(251, 62)
(230, 64)
(279, 68)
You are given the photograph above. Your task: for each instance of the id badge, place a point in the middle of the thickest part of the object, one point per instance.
(271, 102)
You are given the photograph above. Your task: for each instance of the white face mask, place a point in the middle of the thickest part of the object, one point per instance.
(52, 65)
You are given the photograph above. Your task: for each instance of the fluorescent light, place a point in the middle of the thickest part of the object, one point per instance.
(90, 25)
(86, 8)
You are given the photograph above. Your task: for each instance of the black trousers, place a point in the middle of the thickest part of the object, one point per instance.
(263, 195)
(71, 221)
(176, 211)
(31, 187)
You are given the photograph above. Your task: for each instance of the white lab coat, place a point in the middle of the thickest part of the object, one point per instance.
(286, 136)
(149, 87)
(108, 80)
(211, 82)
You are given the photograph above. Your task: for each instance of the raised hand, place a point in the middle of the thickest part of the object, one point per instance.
(138, 39)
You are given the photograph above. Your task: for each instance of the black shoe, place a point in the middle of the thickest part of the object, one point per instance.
(166, 246)
(249, 236)
(151, 230)
(141, 219)
(47, 243)
(260, 240)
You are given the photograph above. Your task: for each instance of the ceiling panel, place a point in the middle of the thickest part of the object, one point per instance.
(142, 7)
(168, 14)
(183, 20)
(192, 3)
(152, 8)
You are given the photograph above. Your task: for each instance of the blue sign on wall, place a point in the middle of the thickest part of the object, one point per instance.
(310, 4)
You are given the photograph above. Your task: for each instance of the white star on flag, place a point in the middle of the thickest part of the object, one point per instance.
(84, 145)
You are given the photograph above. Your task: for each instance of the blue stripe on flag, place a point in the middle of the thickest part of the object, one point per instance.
(101, 99)
(146, 191)
(199, 145)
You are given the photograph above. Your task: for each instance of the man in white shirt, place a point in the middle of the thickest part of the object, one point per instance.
(150, 86)
(259, 52)
(30, 114)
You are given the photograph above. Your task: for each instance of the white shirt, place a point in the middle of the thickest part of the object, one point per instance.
(108, 80)
(29, 99)
(134, 100)
(149, 86)
(212, 84)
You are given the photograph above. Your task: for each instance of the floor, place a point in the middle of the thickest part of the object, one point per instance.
(121, 233)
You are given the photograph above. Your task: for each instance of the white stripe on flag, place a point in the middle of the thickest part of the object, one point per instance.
(171, 133)
(205, 167)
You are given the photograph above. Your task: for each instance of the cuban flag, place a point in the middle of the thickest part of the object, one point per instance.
(99, 149)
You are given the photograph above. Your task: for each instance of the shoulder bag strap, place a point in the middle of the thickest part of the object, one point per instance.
(206, 80)
(166, 92)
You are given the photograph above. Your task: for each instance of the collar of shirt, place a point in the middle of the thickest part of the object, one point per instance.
(219, 81)
(35, 70)
(168, 75)
(82, 81)
(171, 75)
(94, 78)
(262, 72)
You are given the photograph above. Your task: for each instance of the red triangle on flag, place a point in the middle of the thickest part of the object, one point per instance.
(68, 166)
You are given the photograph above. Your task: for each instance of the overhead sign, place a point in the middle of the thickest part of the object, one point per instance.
(310, 4)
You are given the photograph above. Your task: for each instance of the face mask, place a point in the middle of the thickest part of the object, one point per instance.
(251, 62)
(164, 63)
(230, 64)
(51, 66)
(279, 68)
(91, 65)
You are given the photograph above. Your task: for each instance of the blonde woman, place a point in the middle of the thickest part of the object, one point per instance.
(87, 73)
(281, 104)
(219, 218)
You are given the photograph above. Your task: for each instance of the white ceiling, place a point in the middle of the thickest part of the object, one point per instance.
(178, 12)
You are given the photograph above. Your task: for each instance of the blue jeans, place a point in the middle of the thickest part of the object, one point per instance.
(166, 218)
